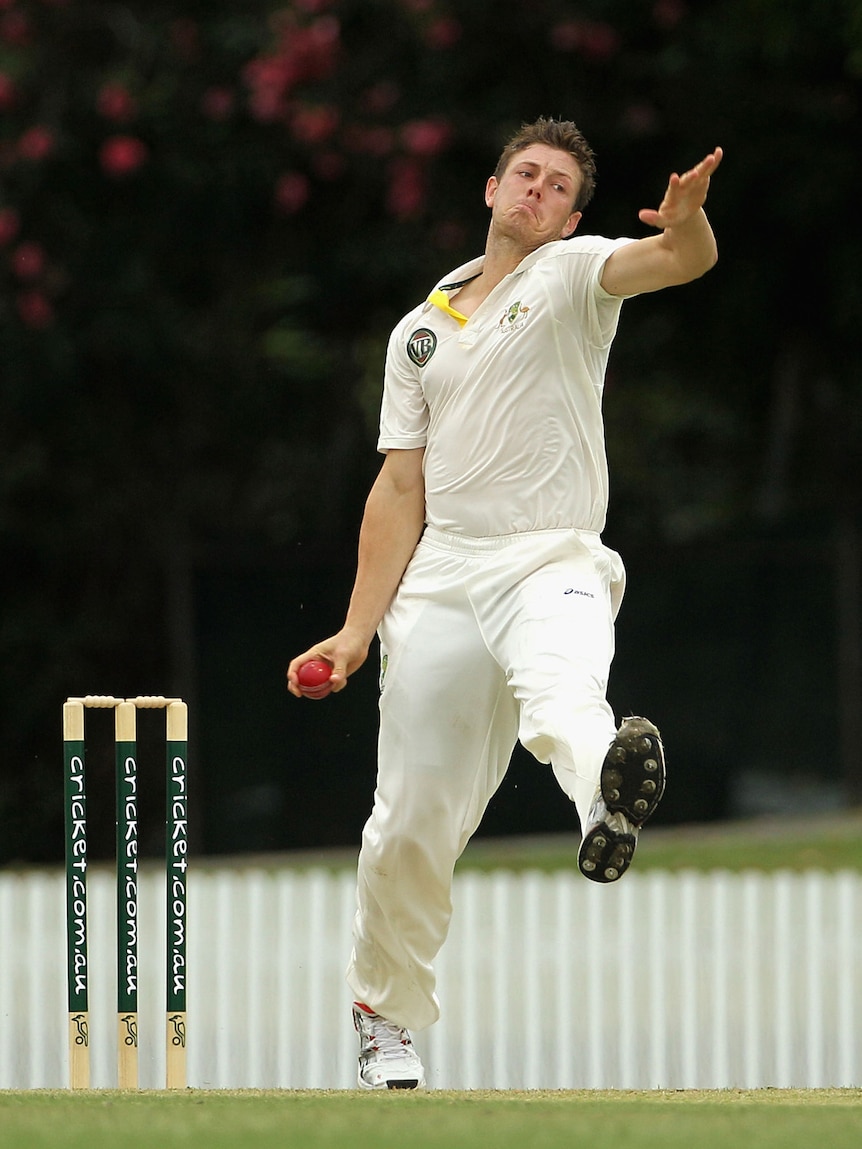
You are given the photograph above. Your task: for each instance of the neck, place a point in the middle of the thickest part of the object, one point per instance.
(502, 256)
(503, 253)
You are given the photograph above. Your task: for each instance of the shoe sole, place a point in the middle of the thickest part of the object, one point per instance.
(605, 854)
(632, 784)
(633, 772)
(408, 1083)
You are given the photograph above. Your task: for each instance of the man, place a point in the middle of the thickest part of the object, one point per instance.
(482, 568)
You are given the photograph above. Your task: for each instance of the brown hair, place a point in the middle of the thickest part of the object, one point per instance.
(565, 136)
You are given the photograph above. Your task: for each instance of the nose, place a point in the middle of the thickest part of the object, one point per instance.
(534, 190)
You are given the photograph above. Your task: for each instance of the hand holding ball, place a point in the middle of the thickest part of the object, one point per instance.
(314, 678)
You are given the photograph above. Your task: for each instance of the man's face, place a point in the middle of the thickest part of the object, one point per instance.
(532, 201)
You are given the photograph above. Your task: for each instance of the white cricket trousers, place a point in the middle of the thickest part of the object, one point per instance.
(486, 641)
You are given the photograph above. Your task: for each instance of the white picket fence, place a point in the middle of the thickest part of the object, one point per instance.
(671, 981)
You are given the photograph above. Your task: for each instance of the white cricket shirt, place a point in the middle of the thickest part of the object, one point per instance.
(508, 405)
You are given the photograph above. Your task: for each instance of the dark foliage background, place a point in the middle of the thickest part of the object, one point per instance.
(210, 216)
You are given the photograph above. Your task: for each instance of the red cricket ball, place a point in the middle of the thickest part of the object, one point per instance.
(314, 678)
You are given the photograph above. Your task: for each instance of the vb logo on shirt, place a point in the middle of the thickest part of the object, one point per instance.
(421, 346)
(513, 318)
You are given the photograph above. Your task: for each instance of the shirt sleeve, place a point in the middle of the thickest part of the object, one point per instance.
(403, 412)
(597, 311)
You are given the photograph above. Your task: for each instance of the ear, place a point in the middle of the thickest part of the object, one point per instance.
(490, 190)
(571, 223)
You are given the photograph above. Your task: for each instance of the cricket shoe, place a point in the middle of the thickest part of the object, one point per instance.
(631, 785)
(387, 1059)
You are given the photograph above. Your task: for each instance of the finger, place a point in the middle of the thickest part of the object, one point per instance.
(706, 167)
(314, 652)
(295, 663)
(650, 217)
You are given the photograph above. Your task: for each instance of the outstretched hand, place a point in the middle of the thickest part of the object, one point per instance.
(685, 195)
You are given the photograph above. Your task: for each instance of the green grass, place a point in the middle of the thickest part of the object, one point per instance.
(831, 843)
(769, 844)
(769, 1119)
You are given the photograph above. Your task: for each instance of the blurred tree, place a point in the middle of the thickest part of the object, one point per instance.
(211, 214)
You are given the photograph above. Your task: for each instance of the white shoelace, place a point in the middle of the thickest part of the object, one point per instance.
(388, 1040)
(617, 822)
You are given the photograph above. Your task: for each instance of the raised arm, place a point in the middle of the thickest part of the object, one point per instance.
(391, 526)
(685, 247)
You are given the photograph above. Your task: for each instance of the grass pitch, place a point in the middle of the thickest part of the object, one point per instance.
(828, 842)
(768, 1119)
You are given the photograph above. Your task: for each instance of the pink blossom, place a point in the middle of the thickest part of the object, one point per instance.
(270, 79)
(121, 156)
(36, 143)
(302, 55)
(276, 72)
(28, 260)
(34, 309)
(426, 137)
(10, 225)
(115, 102)
(324, 33)
(316, 48)
(291, 192)
(406, 193)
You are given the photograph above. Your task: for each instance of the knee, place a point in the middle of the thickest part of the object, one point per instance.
(552, 714)
(566, 723)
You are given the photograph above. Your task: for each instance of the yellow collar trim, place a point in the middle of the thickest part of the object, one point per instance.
(440, 299)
